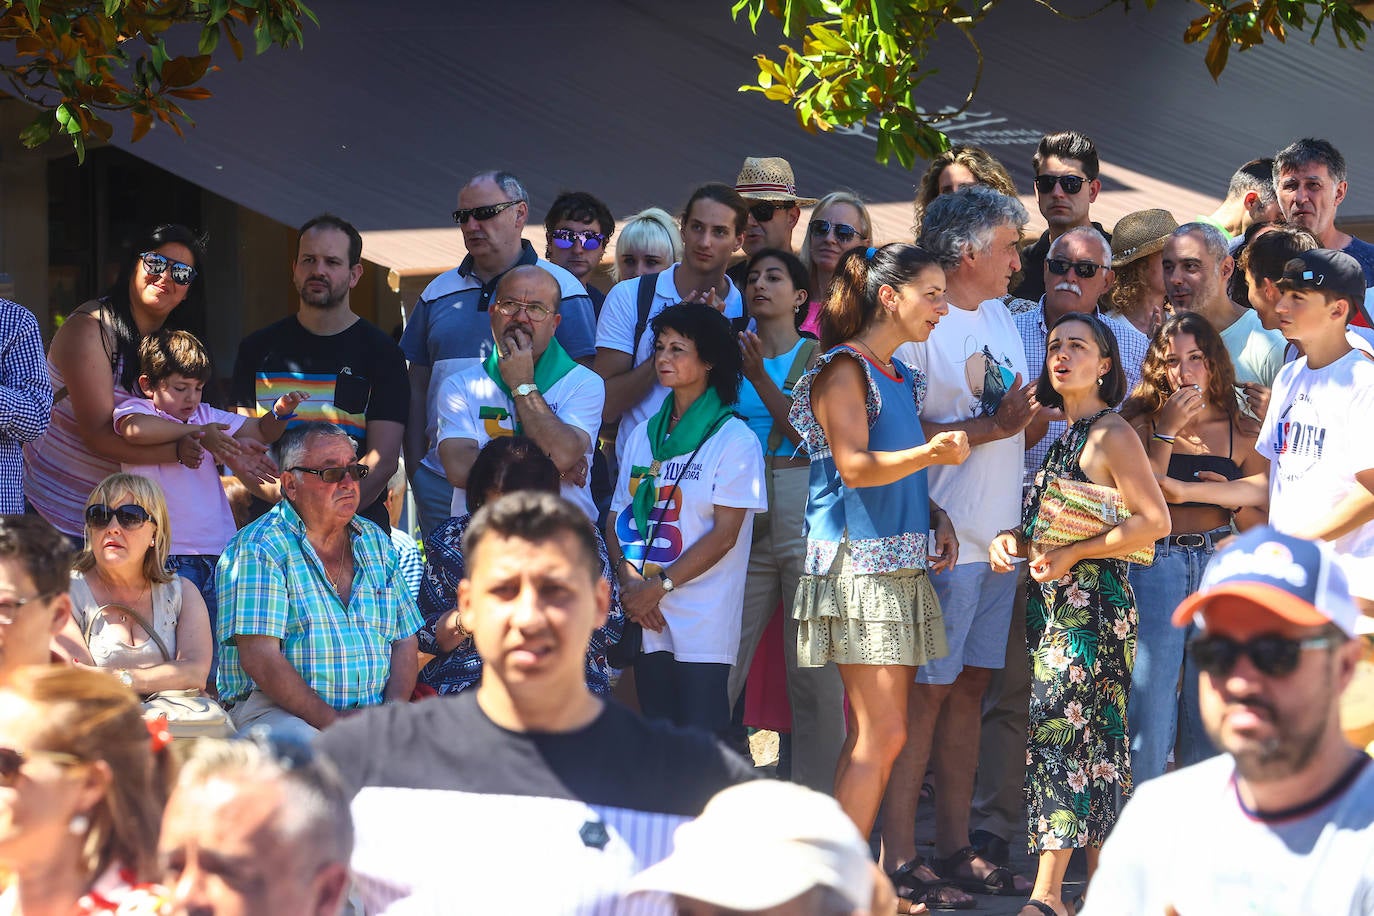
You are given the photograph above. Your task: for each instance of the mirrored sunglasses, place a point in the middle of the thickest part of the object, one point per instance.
(155, 264)
(564, 238)
(481, 214)
(129, 516)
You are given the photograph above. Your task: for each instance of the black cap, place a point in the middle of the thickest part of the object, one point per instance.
(1333, 272)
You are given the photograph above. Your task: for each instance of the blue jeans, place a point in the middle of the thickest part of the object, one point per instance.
(433, 498)
(199, 570)
(1156, 711)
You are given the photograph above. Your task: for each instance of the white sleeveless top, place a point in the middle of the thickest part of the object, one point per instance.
(107, 647)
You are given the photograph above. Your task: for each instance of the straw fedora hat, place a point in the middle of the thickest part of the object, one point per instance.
(769, 178)
(1140, 234)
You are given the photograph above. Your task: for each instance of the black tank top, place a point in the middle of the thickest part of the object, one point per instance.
(1186, 467)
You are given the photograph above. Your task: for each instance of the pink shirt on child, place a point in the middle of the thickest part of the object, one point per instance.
(201, 520)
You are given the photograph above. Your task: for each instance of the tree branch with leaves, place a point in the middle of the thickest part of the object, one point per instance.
(863, 61)
(80, 61)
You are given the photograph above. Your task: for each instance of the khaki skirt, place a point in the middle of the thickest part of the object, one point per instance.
(890, 618)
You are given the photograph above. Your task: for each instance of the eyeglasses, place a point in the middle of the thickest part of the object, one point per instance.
(12, 761)
(155, 264)
(844, 232)
(1084, 269)
(482, 214)
(1071, 184)
(763, 210)
(511, 307)
(129, 516)
(564, 238)
(1274, 656)
(334, 475)
(9, 609)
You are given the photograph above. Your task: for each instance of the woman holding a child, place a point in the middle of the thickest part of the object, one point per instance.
(94, 364)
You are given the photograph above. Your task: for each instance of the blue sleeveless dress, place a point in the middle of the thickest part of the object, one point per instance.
(865, 597)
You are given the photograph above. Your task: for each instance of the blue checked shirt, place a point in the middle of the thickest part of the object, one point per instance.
(271, 582)
(1030, 322)
(25, 398)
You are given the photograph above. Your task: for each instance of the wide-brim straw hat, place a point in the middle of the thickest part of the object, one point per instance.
(769, 178)
(1140, 234)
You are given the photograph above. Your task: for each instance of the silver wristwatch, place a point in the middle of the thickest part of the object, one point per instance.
(668, 585)
(525, 390)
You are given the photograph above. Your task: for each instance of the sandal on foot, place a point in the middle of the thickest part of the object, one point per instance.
(907, 907)
(999, 882)
(1044, 909)
(934, 894)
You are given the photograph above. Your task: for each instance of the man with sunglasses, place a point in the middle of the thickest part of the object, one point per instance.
(316, 620)
(529, 386)
(1285, 815)
(1066, 185)
(1197, 264)
(448, 329)
(353, 370)
(767, 185)
(577, 232)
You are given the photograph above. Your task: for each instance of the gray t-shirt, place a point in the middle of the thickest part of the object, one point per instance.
(1185, 841)
(1256, 353)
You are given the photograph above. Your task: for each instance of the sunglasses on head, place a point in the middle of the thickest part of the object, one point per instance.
(763, 210)
(129, 516)
(1273, 656)
(481, 214)
(334, 475)
(564, 238)
(1085, 269)
(155, 264)
(844, 232)
(511, 307)
(1071, 184)
(12, 761)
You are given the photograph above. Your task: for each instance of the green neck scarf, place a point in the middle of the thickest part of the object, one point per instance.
(695, 426)
(548, 370)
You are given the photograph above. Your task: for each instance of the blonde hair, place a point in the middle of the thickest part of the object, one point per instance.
(90, 715)
(147, 495)
(865, 228)
(652, 230)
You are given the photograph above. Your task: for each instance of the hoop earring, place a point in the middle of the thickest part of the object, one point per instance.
(1099, 381)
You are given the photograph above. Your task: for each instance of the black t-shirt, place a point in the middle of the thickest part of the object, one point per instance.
(352, 377)
(470, 798)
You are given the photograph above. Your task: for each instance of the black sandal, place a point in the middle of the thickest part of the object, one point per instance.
(1044, 908)
(1000, 882)
(911, 886)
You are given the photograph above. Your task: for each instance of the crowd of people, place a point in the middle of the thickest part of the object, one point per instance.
(1015, 525)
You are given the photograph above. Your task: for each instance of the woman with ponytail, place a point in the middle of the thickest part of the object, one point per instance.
(865, 600)
(84, 780)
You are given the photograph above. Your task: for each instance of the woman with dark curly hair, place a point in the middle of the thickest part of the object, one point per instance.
(690, 481)
(1185, 412)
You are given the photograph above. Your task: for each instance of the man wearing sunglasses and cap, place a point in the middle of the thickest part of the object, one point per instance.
(1066, 185)
(767, 185)
(315, 616)
(1284, 818)
(447, 329)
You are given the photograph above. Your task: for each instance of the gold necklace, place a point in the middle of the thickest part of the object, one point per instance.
(881, 362)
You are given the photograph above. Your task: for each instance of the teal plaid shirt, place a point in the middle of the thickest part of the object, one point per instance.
(271, 582)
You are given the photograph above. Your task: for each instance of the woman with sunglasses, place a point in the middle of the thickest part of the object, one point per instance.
(1080, 613)
(1186, 414)
(839, 224)
(84, 782)
(690, 480)
(94, 365)
(144, 625)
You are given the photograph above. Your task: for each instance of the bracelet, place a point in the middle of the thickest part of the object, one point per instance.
(276, 416)
(1167, 440)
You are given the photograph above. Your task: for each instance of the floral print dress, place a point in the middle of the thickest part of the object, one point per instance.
(1080, 632)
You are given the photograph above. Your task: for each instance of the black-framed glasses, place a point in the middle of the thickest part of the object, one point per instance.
(1071, 184)
(763, 210)
(844, 233)
(12, 761)
(155, 264)
(9, 608)
(482, 214)
(564, 238)
(1084, 269)
(334, 475)
(129, 516)
(511, 307)
(1273, 656)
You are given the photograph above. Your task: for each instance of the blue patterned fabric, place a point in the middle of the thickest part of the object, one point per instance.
(25, 398)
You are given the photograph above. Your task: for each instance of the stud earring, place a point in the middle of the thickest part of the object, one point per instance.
(1099, 381)
(79, 824)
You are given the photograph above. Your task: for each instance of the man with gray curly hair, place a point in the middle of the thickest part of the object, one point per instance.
(978, 383)
(258, 828)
